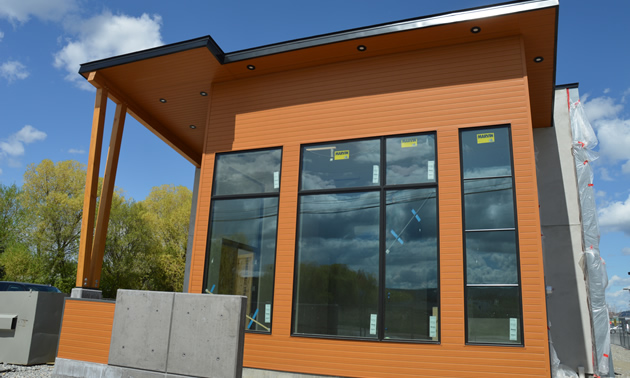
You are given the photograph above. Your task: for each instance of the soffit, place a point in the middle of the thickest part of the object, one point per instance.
(179, 72)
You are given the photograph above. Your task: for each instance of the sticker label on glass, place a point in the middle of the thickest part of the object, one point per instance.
(513, 329)
(375, 174)
(431, 170)
(432, 326)
(408, 142)
(276, 180)
(373, 324)
(342, 155)
(268, 313)
(485, 138)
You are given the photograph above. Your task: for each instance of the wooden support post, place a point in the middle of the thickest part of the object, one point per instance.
(91, 189)
(107, 192)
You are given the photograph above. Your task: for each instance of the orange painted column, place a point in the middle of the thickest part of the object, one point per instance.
(107, 192)
(91, 189)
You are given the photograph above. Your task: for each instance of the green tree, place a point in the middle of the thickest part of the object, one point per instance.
(22, 265)
(52, 196)
(168, 215)
(11, 219)
(129, 250)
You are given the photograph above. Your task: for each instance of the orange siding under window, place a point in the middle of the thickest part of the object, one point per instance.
(440, 89)
(86, 330)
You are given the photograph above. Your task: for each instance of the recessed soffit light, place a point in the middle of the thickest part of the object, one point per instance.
(251, 67)
(192, 127)
(475, 29)
(538, 59)
(361, 48)
(163, 100)
(203, 93)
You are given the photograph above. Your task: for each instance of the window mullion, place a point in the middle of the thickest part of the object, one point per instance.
(381, 261)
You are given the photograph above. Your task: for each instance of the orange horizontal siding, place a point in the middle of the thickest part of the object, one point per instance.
(434, 90)
(86, 330)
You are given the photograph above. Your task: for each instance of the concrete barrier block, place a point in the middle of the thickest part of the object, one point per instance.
(140, 332)
(207, 335)
(135, 373)
(30, 326)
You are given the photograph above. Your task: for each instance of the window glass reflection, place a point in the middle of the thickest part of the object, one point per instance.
(494, 315)
(341, 165)
(486, 152)
(488, 203)
(410, 159)
(338, 264)
(248, 172)
(491, 257)
(411, 295)
(242, 254)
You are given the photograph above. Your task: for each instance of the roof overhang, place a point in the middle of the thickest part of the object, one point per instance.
(179, 72)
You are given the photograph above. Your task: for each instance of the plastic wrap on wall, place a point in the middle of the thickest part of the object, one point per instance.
(584, 140)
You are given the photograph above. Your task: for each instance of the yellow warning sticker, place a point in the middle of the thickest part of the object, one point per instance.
(485, 138)
(342, 155)
(408, 142)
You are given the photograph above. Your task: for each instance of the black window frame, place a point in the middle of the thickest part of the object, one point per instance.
(515, 229)
(220, 197)
(382, 188)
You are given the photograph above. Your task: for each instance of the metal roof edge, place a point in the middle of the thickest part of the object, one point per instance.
(470, 14)
(501, 9)
(172, 48)
(567, 86)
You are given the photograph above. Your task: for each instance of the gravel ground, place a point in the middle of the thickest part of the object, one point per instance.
(16, 371)
(621, 360)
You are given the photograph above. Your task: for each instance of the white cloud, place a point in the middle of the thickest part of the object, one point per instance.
(602, 108)
(618, 299)
(607, 90)
(14, 145)
(0, 171)
(13, 70)
(605, 175)
(618, 281)
(600, 194)
(104, 36)
(614, 139)
(1, 35)
(76, 151)
(613, 132)
(616, 216)
(20, 11)
(625, 251)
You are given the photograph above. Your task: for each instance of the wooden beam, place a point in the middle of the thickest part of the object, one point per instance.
(107, 192)
(136, 111)
(91, 189)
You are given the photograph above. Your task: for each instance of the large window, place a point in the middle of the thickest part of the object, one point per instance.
(493, 304)
(241, 247)
(367, 240)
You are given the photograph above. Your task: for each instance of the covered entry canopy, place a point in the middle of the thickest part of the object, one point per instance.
(169, 88)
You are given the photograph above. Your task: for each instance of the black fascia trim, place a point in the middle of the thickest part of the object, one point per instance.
(555, 66)
(155, 52)
(469, 14)
(567, 86)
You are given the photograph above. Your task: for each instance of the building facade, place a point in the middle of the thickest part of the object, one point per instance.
(373, 193)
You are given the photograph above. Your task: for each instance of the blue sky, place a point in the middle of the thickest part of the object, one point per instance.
(46, 107)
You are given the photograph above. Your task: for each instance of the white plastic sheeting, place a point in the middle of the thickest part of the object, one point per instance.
(584, 140)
